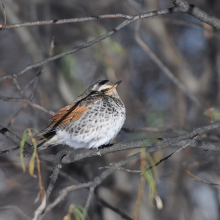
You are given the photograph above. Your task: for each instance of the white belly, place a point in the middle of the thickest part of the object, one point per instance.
(95, 138)
(95, 128)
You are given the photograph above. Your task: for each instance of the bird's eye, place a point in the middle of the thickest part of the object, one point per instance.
(103, 90)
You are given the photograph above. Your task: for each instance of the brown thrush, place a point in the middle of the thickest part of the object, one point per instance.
(93, 119)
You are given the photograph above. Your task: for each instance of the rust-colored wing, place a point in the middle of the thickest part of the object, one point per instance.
(68, 114)
(64, 117)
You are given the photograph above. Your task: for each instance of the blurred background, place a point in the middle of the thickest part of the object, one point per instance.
(156, 107)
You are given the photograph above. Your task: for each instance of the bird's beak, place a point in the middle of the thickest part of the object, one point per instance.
(116, 85)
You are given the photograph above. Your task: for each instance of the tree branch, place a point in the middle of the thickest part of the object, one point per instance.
(91, 184)
(180, 6)
(114, 209)
(90, 43)
(164, 68)
(151, 145)
(186, 7)
(11, 99)
(67, 21)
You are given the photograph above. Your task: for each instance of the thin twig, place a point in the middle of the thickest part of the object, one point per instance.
(52, 45)
(88, 201)
(141, 187)
(90, 43)
(22, 96)
(57, 165)
(153, 129)
(11, 99)
(67, 21)
(123, 169)
(164, 68)
(9, 150)
(15, 82)
(175, 152)
(186, 145)
(186, 7)
(198, 25)
(185, 140)
(33, 80)
(53, 180)
(114, 209)
(40, 209)
(197, 179)
(96, 181)
(13, 137)
(5, 18)
(17, 210)
(181, 7)
(16, 114)
(156, 164)
(156, 132)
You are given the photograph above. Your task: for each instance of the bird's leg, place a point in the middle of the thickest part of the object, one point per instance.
(101, 147)
(98, 152)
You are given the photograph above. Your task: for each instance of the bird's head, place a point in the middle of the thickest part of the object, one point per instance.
(106, 87)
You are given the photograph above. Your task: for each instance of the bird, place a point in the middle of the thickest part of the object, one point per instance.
(92, 120)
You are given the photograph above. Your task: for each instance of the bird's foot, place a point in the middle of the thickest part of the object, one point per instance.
(98, 152)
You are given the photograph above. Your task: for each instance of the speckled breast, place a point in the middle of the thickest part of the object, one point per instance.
(98, 125)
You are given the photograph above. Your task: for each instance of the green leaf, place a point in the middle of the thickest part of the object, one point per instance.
(31, 163)
(213, 115)
(22, 143)
(152, 164)
(77, 210)
(149, 176)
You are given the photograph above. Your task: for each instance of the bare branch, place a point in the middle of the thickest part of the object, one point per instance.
(11, 99)
(188, 8)
(40, 208)
(52, 46)
(67, 156)
(181, 6)
(175, 152)
(92, 184)
(88, 201)
(159, 162)
(96, 181)
(197, 179)
(67, 21)
(12, 137)
(16, 114)
(16, 84)
(123, 169)
(164, 68)
(56, 168)
(175, 129)
(5, 19)
(90, 43)
(16, 210)
(114, 209)
(34, 80)
(141, 187)
(151, 144)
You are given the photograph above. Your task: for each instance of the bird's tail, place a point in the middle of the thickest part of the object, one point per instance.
(47, 140)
